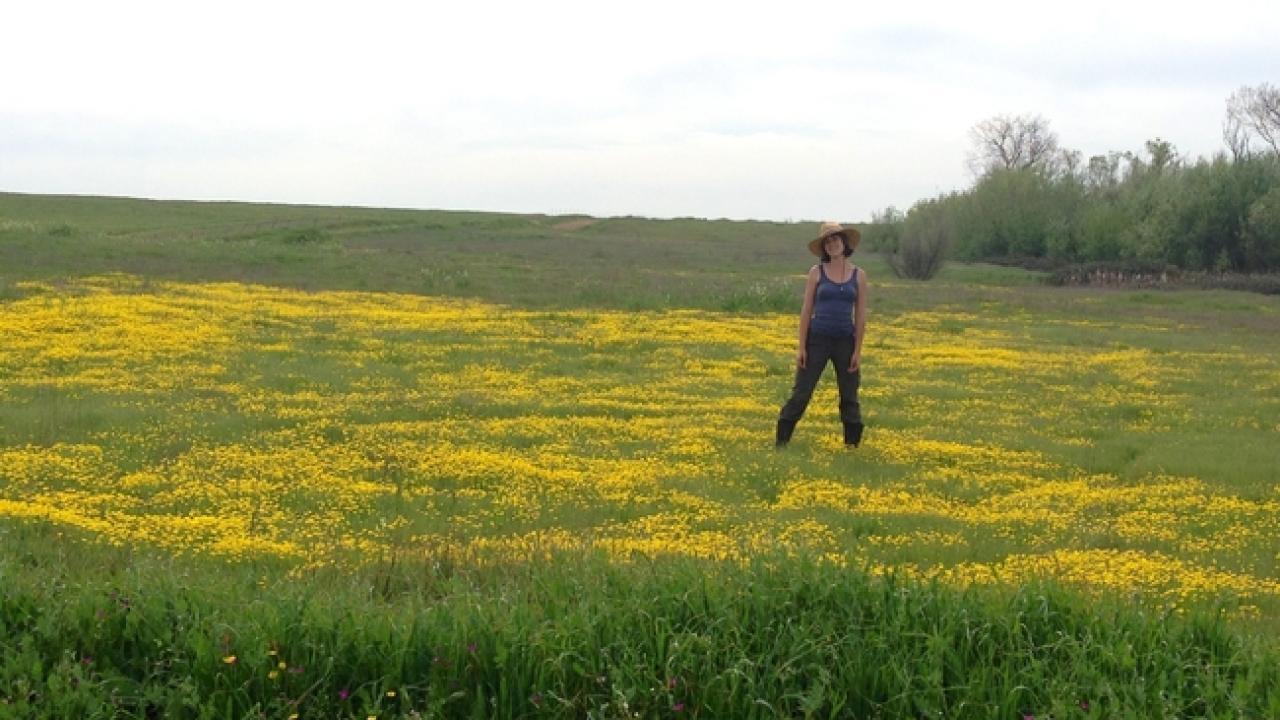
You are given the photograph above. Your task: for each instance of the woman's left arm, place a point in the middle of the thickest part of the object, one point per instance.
(859, 321)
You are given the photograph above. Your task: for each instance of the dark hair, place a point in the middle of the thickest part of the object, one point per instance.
(847, 250)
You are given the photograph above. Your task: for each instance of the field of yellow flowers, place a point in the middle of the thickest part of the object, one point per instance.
(333, 428)
(268, 461)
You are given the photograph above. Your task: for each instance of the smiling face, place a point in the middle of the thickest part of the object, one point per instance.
(848, 239)
(834, 245)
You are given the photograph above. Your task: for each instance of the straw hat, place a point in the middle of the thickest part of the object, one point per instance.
(851, 237)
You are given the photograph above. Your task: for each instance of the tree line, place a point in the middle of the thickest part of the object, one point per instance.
(1034, 202)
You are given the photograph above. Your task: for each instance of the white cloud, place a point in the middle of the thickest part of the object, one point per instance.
(666, 108)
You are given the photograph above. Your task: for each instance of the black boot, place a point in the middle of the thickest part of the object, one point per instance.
(853, 434)
(783, 436)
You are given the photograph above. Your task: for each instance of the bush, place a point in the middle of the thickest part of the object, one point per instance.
(922, 247)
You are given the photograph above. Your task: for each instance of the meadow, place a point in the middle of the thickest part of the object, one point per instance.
(265, 461)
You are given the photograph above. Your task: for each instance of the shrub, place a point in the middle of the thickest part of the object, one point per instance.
(922, 247)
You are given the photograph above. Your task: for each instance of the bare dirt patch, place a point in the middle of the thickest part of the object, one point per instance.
(575, 224)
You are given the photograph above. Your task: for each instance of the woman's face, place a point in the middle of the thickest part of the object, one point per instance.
(834, 245)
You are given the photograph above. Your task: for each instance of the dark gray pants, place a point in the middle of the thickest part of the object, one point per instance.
(820, 349)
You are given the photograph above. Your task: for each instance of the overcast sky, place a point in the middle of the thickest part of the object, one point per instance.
(706, 109)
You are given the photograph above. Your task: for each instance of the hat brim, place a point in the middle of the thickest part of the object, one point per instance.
(852, 238)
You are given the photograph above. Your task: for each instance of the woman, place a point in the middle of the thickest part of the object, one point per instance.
(833, 321)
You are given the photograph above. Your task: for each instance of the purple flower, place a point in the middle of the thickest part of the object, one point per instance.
(678, 707)
(1084, 705)
(343, 694)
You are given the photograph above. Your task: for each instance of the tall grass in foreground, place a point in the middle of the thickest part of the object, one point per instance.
(583, 637)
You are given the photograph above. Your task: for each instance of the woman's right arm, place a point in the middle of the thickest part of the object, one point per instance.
(806, 311)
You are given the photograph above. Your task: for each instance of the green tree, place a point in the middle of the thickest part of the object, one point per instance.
(1215, 202)
(1022, 213)
(1032, 199)
(884, 230)
(1103, 225)
(1261, 240)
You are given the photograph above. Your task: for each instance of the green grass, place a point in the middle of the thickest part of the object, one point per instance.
(585, 637)
(131, 635)
(525, 260)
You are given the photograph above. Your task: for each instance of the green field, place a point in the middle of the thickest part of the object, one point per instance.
(261, 460)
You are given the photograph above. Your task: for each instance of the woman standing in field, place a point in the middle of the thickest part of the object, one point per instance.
(833, 321)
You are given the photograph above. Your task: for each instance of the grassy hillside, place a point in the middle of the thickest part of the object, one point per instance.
(532, 261)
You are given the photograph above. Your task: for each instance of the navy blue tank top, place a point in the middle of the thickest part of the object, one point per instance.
(833, 305)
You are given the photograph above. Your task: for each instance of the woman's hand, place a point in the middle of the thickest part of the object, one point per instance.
(801, 357)
(855, 362)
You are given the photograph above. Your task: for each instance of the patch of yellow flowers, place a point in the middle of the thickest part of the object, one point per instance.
(249, 422)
